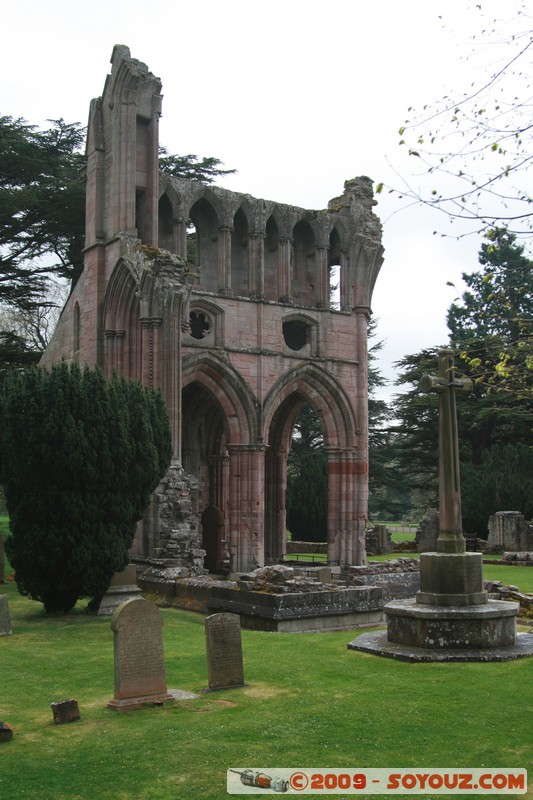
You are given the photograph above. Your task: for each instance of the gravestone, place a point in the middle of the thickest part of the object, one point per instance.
(65, 711)
(139, 660)
(224, 651)
(428, 532)
(5, 619)
(123, 587)
(2, 577)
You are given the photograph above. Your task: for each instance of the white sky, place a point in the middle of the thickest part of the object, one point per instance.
(298, 95)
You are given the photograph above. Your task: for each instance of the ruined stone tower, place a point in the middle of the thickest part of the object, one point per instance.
(239, 336)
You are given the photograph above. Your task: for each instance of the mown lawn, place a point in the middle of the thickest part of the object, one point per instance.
(309, 702)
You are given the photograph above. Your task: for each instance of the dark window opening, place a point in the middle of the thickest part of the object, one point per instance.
(295, 334)
(200, 324)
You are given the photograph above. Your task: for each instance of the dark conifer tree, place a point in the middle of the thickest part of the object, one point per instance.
(80, 456)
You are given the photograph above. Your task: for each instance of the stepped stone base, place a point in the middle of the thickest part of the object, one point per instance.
(377, 644)
(458, 627)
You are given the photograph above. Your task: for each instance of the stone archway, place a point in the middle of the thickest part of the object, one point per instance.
(347, 463)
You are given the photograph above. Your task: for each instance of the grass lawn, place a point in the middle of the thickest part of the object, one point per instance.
(309, 702)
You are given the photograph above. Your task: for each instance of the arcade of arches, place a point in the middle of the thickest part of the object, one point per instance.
(240, 310)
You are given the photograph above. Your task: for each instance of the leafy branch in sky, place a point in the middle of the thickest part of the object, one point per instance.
(474, 148)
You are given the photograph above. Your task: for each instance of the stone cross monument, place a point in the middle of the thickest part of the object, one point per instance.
(446, 384)
(451, 618)
(449, 577)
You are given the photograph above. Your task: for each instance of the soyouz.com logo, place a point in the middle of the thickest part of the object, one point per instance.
(377, 781)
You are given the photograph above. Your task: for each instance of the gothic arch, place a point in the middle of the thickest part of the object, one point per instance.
(122, 327)
(337, 419)
(240, 267)
(205, 217)
(327, 398)
(219, 448)
(282, 220)
(237, 405)
(304, 263)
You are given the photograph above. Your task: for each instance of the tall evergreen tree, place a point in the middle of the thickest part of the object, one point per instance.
(490, 329)
(42, 207)
(80, 456)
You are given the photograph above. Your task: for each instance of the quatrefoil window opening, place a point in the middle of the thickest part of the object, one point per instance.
(200, 324)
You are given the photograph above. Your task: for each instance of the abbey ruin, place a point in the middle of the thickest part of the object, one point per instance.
(238, 335)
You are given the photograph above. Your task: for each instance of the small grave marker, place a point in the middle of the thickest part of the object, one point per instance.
(139, 661)
(224, 651)
(5, 619)
(6, 733)
(65, 711)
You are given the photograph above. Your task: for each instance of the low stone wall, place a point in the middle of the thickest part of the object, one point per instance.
(522, 559)
(398, 578)
(337, 609)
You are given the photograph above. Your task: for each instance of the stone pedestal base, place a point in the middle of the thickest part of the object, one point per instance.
(490, 625)
(377, 644)
(135, 703)
(123, 587)
(451, 579)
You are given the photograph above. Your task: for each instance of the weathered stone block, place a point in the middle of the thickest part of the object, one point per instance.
(6, 732)
(451, 579)
(65, 711)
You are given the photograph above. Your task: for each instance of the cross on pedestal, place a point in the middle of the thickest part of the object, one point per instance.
(446, 384)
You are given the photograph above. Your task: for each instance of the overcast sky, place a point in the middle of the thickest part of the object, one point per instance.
(297, 95)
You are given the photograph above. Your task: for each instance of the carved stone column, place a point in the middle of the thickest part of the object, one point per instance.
(246, 507)
(321, 277)
(285, 282)
(224, 260)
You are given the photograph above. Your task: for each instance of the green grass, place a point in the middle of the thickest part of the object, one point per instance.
(309, 702)
(403, 537)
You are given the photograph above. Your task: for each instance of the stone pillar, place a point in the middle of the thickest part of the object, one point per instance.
(360, 468)
(109, 352)
(507, 531)
(146, 352)
(224, 260)
(257, 265)
(151, 223)
(275, 517)
(119, 351)
(246, 507)
(345, 304)
(322, 298)
(346, 537)
(285, 282)
(179, 230)
(151, 366)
